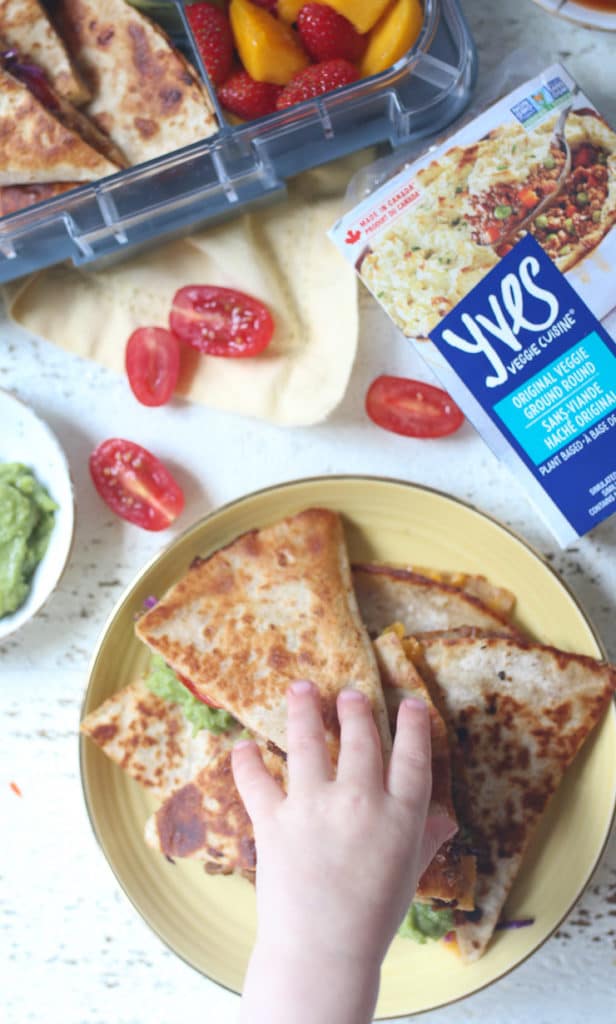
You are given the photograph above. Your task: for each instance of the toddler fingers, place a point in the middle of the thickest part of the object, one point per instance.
(361, 760)
(259, 793)
(307, 755)
(410, 767)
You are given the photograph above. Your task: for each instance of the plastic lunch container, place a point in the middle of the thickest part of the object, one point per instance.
(242, 164)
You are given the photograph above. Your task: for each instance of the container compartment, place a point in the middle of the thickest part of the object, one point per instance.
(248, 163)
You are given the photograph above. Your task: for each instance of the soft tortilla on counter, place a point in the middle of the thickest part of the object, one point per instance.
(145, 94)
(521, 712)
(274, 606)
(280, 255)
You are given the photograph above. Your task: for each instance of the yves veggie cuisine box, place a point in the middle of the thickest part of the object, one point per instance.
(496, 255)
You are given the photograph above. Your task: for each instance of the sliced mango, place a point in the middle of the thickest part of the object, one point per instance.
(268, 49)
(362, 13)
(392, 36)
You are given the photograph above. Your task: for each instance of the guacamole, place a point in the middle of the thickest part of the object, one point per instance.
(423, 923)
(27, 515)
(163, 681)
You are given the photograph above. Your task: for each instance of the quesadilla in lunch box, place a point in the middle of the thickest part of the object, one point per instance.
(387, 595)
(17, 197)
(274, 606)
(521, 711)
(145, 94)
(43, 139)
(25, 25)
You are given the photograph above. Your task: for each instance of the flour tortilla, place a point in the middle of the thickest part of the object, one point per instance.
(17, 197)
(205, 820)
(152, 740)
(25, 25)
(145, 95)
(387, 595)
(274, 606)
(37, 147)
(280, 255)
(498, 599)
(521, 712)
(451, 875)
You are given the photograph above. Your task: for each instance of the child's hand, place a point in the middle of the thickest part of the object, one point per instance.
(337, 861)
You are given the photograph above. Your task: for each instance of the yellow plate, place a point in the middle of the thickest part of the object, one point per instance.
(209, 921)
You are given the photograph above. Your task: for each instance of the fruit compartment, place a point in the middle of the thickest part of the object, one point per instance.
(247, 163)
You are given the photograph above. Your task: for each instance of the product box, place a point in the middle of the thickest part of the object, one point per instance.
(496, 255)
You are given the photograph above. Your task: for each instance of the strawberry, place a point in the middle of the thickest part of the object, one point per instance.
(315, 80)
(246, 98)
(212, 31)
(327, 34)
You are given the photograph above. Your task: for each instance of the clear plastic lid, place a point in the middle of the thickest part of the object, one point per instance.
(246, 163)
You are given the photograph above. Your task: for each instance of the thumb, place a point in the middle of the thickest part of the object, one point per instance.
(439, 828)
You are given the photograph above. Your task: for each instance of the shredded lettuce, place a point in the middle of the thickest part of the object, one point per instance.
(423, 923)
(163, 681)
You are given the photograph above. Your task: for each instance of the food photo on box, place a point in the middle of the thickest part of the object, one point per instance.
(307, 590)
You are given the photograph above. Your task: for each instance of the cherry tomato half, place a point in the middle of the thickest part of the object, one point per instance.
(412, 408)
(152, 364)
(135, 484)
(193, 689)
(220, 321)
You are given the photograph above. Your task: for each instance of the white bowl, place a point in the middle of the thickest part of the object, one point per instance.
(25, 438)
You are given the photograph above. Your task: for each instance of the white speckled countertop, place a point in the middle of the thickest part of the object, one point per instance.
(74, 950)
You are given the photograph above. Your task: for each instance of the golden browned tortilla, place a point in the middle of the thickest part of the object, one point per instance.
(521, 712)
(274, 606)
(387, 595)
(17, 197)
(205, 819)
(152, 740)
(451, 875)
(145, 95)
(36, 147)
(25, 25)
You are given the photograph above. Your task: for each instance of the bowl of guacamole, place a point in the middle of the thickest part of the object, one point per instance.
(36, 513)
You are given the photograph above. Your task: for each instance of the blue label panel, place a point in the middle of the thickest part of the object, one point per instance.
(559, 404)
(543, 369)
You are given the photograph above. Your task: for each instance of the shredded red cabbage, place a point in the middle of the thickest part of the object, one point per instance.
(150, 602)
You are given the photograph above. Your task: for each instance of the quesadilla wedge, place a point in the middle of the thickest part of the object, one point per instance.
(45, 140)
(24, 24)
(387, 595)
(450, 878)
(497, 599)
(145, 95)
(274, 606)
(152, 739)
(205, 819)
(17, 197)
(520, 711)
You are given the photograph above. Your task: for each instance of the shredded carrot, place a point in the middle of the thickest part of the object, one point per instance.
(15, 789)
